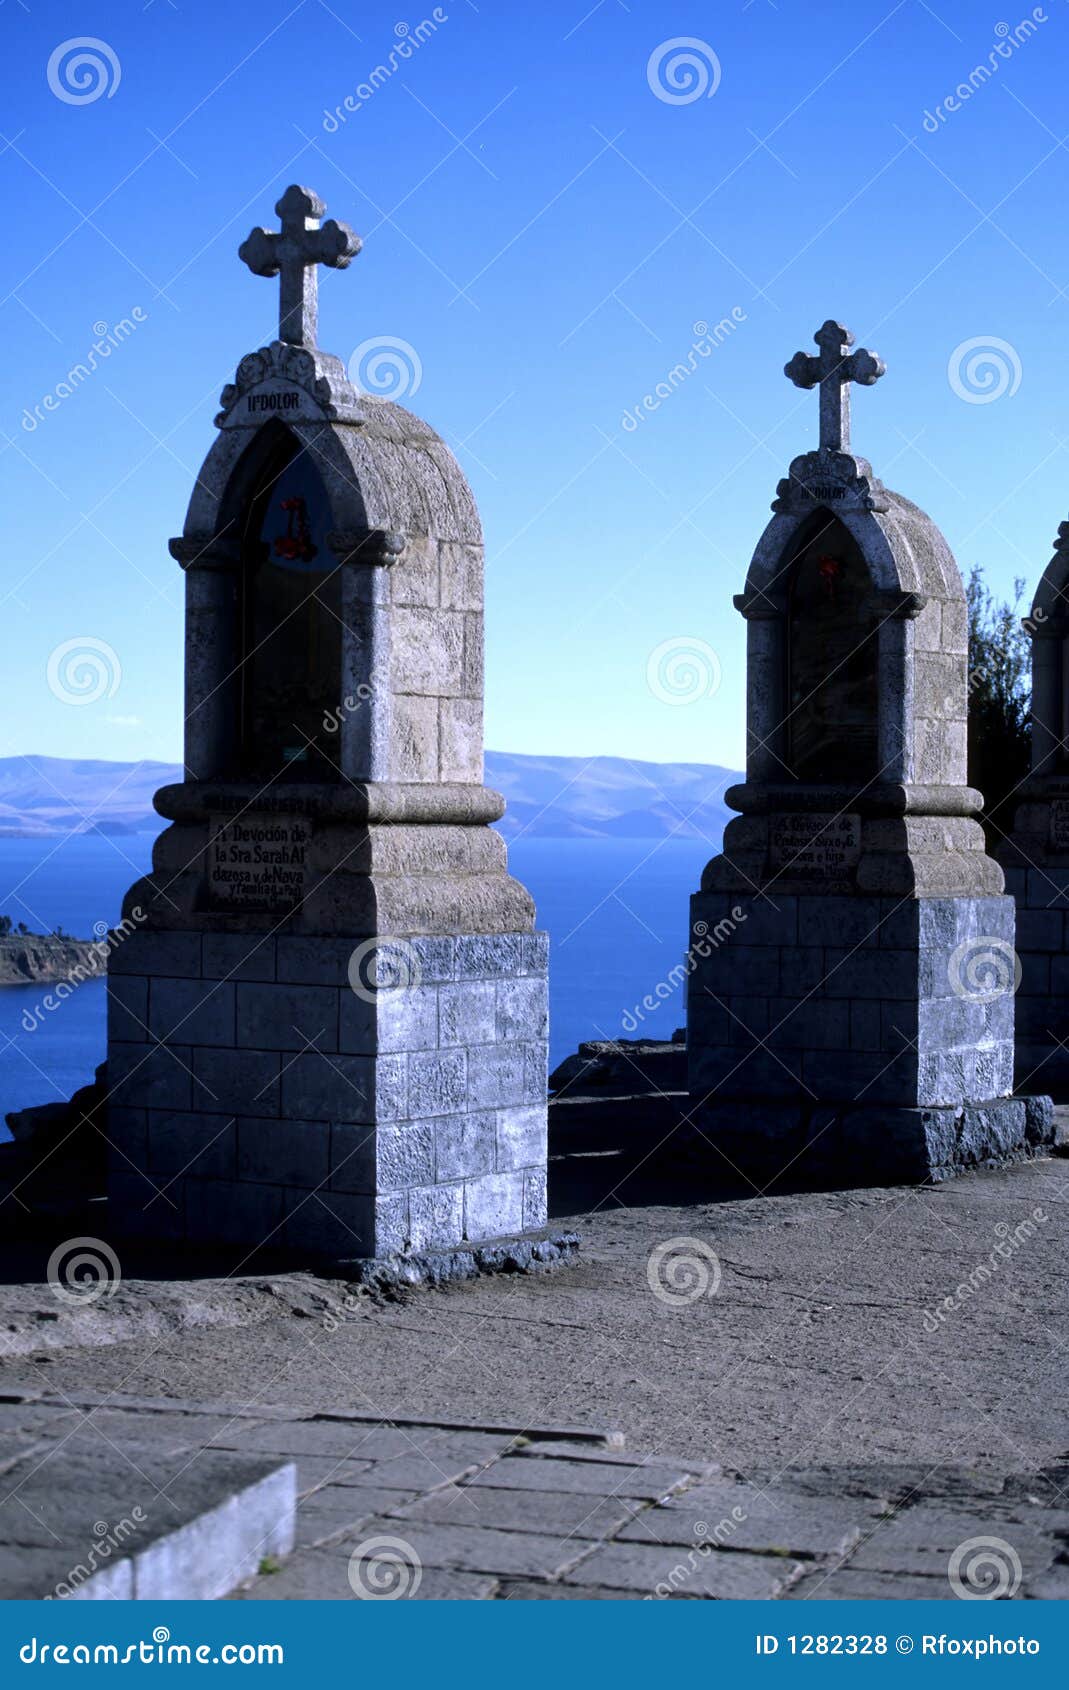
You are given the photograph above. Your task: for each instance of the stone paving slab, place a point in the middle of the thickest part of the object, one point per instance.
(313, 1575)
(664, 1570)
(740, 1517)
(649, 1482)
(481, 1549)
(346, 1441)
(843, 1585)
(327, 1513)
(422, 1470)
(521, 1590)
(313, 1472)
(447, 1512)
(575, 1514)
(82, 1518)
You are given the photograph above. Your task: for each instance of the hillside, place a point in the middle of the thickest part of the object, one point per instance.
(548, 797)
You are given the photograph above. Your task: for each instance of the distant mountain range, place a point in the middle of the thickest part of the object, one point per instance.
(548, 797)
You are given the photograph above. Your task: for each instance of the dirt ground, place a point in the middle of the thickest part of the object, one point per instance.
(805, 1330)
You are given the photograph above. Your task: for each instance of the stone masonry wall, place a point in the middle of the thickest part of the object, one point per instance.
(872, 1001)
(1042, 897)
(436, 661)
(256, 1098)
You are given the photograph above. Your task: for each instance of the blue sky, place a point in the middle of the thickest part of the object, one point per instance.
(543, 229)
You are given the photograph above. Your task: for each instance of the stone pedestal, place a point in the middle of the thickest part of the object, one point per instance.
(852, 964)
(261, 1093)
(857, 1040)
(328, 1027)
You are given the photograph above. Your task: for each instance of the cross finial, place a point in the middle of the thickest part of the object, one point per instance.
(293, 254)
(834, 370)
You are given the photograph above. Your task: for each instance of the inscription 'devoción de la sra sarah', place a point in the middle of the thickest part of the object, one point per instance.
(815, 846)
(258, 864)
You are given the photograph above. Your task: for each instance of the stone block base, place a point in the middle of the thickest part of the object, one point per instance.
(874, 1036)
(838, 999)
(790, 1146)
(265, 1091)
(1041, 890)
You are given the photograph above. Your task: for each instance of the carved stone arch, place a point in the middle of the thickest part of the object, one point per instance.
(869, 574)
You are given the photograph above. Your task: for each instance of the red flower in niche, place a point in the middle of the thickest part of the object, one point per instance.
(830, 570)
(295, 545)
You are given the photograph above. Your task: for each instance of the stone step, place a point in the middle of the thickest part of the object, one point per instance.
(85, 1518)
(580, 1125)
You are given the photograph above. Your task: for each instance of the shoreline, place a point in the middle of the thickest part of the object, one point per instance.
(45, 959)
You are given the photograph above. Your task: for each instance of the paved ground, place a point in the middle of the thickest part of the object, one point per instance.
(855, 1343)
(433, 1511)
(815, 1348)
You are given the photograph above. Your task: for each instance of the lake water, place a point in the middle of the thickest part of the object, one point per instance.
(615, 910)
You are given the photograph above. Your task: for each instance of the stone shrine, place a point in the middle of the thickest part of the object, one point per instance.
(850, 1003)
(329, 1034)
(1035, 857)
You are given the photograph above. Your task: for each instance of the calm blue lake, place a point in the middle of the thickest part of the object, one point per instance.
(615, 910)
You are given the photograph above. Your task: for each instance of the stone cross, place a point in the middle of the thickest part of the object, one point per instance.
(834, 370)
(293, 255)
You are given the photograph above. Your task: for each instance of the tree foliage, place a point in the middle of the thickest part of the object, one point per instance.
(1000, 680)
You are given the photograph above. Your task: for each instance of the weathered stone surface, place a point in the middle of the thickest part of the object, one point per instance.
(844, 941)
(225, 1512)
(650, 1482)
(552, 1513)
(668, 1571)
(339, 944)
(286, 1017)
(478, 1549)
(493, 1205)
(737, 1517)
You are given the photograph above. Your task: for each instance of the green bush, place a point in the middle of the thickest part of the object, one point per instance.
(1000, 687)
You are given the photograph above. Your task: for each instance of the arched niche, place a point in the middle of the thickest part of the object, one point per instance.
(831, 657)
(865, 597)
(289, 619)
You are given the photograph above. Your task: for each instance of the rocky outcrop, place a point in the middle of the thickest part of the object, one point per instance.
(55, 1162)
(41, 959)
(622, 1067)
